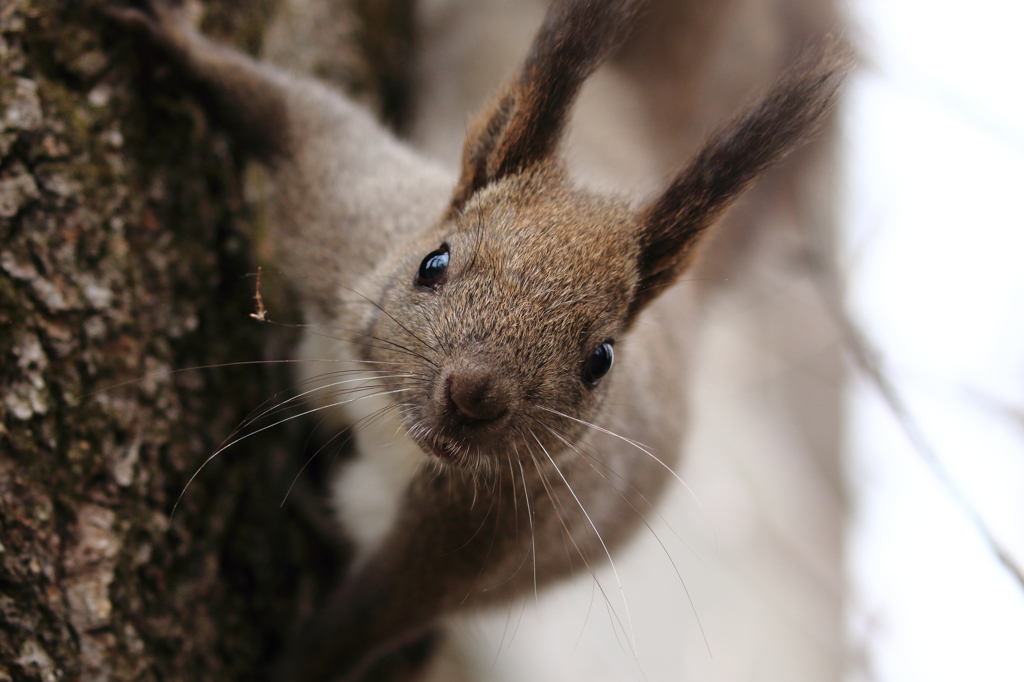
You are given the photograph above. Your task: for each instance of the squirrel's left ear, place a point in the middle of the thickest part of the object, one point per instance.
(524, 124)
(671, 226)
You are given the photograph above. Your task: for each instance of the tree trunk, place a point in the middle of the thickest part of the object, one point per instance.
(125, 243)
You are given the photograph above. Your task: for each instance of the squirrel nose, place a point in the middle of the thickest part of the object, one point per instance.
(478, 394)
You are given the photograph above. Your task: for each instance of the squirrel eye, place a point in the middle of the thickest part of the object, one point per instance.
(432, 268)
(599, 363)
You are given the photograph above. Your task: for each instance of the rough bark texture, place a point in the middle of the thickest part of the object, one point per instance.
(124, 252)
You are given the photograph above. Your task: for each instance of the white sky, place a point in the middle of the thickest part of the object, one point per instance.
(935, 238)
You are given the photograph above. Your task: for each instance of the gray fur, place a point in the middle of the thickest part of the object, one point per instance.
(541, 272)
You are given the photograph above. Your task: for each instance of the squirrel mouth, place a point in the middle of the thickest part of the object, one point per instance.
(445, 449)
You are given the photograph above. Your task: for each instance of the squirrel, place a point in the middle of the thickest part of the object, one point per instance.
(523, 333)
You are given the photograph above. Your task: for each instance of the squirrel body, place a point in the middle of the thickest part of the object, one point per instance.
(521, 347)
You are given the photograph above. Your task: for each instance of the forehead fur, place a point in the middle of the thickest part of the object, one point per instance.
(536, 227)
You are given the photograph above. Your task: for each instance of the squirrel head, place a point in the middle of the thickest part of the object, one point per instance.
(504, 317)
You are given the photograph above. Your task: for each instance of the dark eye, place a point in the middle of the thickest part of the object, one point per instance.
(432, 268)
(599, 363)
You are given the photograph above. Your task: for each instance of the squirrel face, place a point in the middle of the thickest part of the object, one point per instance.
(508, 315)
(501, 321)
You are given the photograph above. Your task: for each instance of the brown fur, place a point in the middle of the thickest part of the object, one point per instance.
(541, 273)
(526, 123)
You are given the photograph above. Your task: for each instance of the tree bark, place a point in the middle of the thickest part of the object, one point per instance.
(125, 242)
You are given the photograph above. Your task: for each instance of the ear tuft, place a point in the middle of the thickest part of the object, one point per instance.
(731, 160)
(524, 125)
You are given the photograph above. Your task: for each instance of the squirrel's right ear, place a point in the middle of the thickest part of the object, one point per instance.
(671, 227)
(524, 124)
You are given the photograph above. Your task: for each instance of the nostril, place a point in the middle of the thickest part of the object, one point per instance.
(476, 395)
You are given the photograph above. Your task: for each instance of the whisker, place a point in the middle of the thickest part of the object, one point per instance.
(494, 535)
(504, 631)
(250, 418)
(515, 498)
(639, 446)
(664, 549)
(240, 363)
(594, 458)
(353, 429)
(331, 395)
(284, 404)
(473, 536)
(529, 515)
(253, 433)
(395, 346)
(555, 506)
(586, 618)
(515, 504)
(613, 615)
(309, 329)
(380, 308)
(600, 539)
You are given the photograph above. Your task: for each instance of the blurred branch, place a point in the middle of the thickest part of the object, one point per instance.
(869, 360)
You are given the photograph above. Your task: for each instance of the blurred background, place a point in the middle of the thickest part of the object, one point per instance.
(934, 231)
